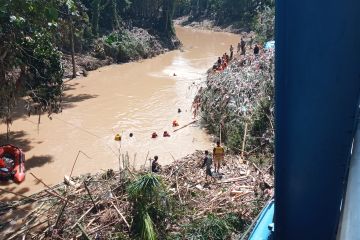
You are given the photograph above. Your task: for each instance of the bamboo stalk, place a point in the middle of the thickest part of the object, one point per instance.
(83, 231)
(50, 191)
(185, 125)
(244, 141)
(61, 213)
(122, 216)
(72, 169)
(82, 216)
(88, 191)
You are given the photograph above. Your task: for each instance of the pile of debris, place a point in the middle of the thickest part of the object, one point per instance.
(97, 206)
(240, 101)
(242, 188)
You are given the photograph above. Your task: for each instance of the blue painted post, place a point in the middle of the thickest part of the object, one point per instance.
(317, 91)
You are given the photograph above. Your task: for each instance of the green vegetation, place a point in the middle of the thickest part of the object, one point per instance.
(150, 206)
(264, 24)
(239, 102)
(29, 62)
(242, 13)
(211, 227)
(34, 34)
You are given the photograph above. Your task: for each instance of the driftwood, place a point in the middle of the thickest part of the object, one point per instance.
(121, 215)
(186, 125)
(234, 193)
(49, 190)
(88, 191)
(83, 231)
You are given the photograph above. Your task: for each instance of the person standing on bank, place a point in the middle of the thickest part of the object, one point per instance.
(207, 162)
(155, 166)
(242, 45)
(218, 154)
(256, 50)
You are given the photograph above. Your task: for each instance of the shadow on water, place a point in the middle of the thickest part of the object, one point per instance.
(37, 161)
(70, 86)
(5, 196)
(17, 138)
(10, 216)
(69, 100)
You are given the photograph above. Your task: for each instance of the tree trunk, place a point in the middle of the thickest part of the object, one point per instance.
(2, 73)
(166, 15)
(72, 48)
(8, 120)
(2, 67)
(116, 20)
(95, 17)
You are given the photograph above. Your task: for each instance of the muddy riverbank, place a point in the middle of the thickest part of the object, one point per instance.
(140, 44)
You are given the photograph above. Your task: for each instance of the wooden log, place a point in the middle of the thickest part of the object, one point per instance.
(50, 191)
(80, 218)
(61, 213)
(231, 180)
(57, 196)
(92, 200)
(83, 231)
(241, 195)
(34, 211)
(121, 215)
(177, 189)
(77, 156)
(257, 168)
(185, 125)
(244, 141)
(98, 228)
(18, 232)
(235, 192)
(91, 221)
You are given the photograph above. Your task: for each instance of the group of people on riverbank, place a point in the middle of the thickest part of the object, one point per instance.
(242, 46)
(223, 61)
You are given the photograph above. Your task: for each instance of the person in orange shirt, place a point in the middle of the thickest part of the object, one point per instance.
(218, 155)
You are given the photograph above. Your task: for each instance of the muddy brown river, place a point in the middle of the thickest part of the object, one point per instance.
(139, 98)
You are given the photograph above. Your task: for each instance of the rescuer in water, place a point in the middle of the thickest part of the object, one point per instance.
(175, 123)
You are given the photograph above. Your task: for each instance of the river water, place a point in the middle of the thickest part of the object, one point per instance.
(139, 98)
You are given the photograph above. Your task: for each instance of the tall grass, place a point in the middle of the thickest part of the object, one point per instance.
(210, 228)
(147, 194)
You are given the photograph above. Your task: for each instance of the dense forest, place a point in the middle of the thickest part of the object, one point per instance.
(35, 35)
(243, 13)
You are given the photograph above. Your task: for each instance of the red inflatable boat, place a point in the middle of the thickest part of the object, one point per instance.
(12, 163)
